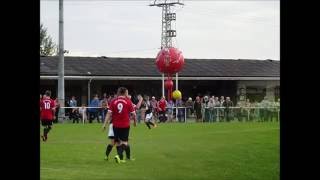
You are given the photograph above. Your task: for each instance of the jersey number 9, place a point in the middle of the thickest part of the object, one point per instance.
(120, 107)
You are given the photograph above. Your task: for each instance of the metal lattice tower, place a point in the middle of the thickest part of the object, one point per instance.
(167, 33)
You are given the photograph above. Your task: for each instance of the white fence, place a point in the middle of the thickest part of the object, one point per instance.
(216, 113)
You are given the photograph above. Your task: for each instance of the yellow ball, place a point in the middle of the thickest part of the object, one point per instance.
(176, 94)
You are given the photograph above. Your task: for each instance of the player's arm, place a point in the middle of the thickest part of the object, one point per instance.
(140, 102)
(107, 120)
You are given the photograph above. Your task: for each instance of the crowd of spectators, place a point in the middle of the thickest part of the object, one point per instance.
(201, 109)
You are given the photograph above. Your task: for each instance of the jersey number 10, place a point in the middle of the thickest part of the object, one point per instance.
(47, 105)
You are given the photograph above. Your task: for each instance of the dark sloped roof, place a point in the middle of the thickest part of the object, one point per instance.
(101, 66)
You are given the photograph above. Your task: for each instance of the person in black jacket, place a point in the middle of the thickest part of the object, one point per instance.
(197, 109)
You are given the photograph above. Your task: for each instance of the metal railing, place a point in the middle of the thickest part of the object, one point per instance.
(216, 114)
(83, 114)
(237, 112)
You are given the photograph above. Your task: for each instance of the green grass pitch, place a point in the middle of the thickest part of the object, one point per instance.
(220, 151)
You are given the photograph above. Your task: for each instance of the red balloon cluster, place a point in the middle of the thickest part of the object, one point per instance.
(168, 84)
(170, 60)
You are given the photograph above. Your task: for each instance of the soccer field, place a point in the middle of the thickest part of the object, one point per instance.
(220, 151)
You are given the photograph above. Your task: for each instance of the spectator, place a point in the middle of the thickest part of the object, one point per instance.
(239, 111)
(162, 105)
(198, 109)
(228, 111)
(104, 110)
(265, 111)
(258, 111)
(221, 112)
(170, 107)
(211, 105)
(189, 105)
(274, 110)
(104, 98)
(248, 110)
(181, 110)
(74, 111)
(73, 102)
(269, 109)
(154, 104)
(216, 108)
(83, 112)
(93, 110)
(57, 105)
(277, 106)
(206, 108)
(67, 110)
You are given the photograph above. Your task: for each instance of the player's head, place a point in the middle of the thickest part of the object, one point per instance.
(47, 93)
(122, 91)
(190, 99)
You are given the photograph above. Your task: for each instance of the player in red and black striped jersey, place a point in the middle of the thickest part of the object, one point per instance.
(47, 111)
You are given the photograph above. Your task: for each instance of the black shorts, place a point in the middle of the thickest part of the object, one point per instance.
(121, 133)
(45, 122)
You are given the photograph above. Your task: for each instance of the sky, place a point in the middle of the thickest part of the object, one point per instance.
(217, 29)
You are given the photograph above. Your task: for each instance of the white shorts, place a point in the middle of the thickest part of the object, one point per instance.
(110, 133)
(149, 117)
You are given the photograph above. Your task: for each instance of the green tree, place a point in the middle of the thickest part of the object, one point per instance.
(47, 46)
